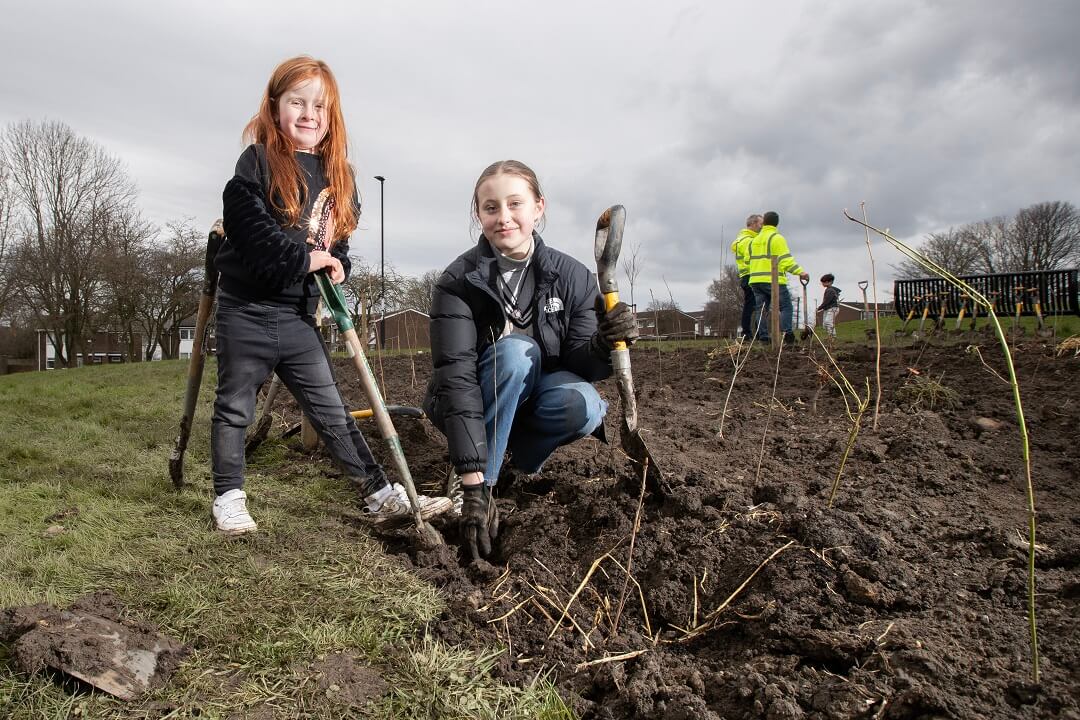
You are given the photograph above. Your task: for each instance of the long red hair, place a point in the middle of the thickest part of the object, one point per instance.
(288, 191)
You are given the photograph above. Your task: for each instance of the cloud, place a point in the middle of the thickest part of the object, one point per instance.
(689, 114)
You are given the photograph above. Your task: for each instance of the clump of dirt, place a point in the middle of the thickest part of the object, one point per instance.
(747, 596)
(92, 642)
(344, 679)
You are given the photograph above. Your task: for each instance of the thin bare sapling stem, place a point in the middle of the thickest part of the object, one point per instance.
(981, 299)
(656, 327)
(768, 415)
(739, 361)
(877, 321)
(851, 398)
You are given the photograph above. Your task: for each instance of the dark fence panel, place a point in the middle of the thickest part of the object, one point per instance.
(1056, 290)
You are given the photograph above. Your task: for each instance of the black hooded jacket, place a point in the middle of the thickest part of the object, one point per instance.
(264, 259)
(467, 316)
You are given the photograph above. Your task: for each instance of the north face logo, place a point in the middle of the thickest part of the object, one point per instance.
(553, 305)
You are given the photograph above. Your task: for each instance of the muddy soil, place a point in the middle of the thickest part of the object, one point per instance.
(91, 643)
(748, 596)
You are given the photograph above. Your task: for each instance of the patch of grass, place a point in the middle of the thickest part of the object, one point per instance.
(438, 681)
(87, 450)
(920, 391)
(855, 330)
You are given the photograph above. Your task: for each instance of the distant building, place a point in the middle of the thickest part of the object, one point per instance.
(670, 324)
(16, 349)
(404, 330)
(111, 347)
(854, 311)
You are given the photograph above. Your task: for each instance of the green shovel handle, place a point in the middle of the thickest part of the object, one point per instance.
(334, 299)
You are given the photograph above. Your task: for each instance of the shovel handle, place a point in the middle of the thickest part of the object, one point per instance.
(611, 299)
(334, 299)
(606, 248)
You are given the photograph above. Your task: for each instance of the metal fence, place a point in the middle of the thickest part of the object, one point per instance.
(1056, 291)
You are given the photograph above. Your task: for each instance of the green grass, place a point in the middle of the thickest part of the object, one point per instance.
(855, 330)
(87, 449)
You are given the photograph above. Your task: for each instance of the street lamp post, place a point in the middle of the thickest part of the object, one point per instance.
(382, 243)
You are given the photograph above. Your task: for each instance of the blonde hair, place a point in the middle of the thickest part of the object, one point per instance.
(507, 167)
(288, 191)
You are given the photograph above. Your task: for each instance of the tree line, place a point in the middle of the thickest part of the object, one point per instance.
(1043, 236)
(77, 257)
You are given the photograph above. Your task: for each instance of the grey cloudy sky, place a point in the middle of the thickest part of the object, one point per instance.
(690, 114)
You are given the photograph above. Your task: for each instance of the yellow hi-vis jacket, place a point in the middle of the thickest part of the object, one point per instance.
(766, 245)
(740, 247)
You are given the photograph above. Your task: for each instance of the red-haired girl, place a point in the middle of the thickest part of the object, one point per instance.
(288, 213)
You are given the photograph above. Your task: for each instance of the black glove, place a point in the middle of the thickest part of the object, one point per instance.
(479, 519)
(616, 324)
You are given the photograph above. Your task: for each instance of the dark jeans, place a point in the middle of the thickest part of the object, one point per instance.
(254, 341)
(532, 412)
(763, 293)
(747, 306)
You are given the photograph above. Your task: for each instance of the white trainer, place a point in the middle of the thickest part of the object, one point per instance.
(391, 504)
(230, 513)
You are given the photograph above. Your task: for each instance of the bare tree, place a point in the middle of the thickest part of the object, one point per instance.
(124, 274)
(363, 287)
(417, 295)
(725, 302)
(958, 250)
(7, 240)
(68, 191)
(631, 266)
(171, 278)
(1045, 236)
(991, 237)
(659, 304)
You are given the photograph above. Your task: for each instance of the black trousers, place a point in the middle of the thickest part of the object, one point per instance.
(747, 306)
(255, 340)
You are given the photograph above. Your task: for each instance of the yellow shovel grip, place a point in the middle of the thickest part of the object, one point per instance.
(611, 299)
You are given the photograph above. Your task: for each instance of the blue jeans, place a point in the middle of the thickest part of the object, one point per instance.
(254, 341)
(763, 293)
(528, 411)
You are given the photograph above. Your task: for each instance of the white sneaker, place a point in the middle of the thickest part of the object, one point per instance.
(230, 513)
(391, 504)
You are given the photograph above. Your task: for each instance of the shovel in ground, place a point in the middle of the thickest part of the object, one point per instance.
(911, 314)
(943, 307)
(960, 315)
(266, 417)
(919, 334)
(334, 300)
(806, 331)
(198, 355)
(1043, 331)
(609, 229)
(1019, 305)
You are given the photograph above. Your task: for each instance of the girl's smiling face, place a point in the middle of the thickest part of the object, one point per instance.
(301, 114)
(508, 212)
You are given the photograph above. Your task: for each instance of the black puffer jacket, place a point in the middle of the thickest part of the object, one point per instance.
(467, 317)
(263, 258)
